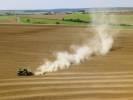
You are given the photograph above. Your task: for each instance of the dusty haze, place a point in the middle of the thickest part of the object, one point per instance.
(99, 44)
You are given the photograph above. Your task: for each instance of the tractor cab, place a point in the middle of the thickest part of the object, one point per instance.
(24, 72)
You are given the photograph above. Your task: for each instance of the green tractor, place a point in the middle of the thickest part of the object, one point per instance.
(24, 72)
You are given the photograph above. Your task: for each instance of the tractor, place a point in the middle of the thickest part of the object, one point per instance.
(24, 72)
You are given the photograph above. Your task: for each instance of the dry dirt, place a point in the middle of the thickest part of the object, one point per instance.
(107, 77)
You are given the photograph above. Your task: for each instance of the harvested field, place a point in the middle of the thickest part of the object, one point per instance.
(8, 20)
(107, 77)
(55, 16)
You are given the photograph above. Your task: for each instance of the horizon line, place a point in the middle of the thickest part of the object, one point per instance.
(67, 8)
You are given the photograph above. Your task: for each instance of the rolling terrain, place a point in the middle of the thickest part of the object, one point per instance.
(107, 77)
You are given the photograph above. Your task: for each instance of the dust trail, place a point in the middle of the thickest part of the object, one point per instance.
(100, 44)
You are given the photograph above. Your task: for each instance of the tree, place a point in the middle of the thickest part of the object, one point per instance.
(28, 20)
(57, 22)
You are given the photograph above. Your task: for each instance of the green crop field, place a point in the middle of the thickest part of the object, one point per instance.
(28, 20)
(82, 17)
(6, 17)
(121, 20)
(68, 19)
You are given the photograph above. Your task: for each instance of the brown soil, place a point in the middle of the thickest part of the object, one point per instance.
(107, 77)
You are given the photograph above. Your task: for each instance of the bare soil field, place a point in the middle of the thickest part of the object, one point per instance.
(55, 16)
(8, 20)
(107, 77)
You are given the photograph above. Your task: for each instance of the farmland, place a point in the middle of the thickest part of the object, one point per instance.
(74, 19)
(105, 77)
(28, 44)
